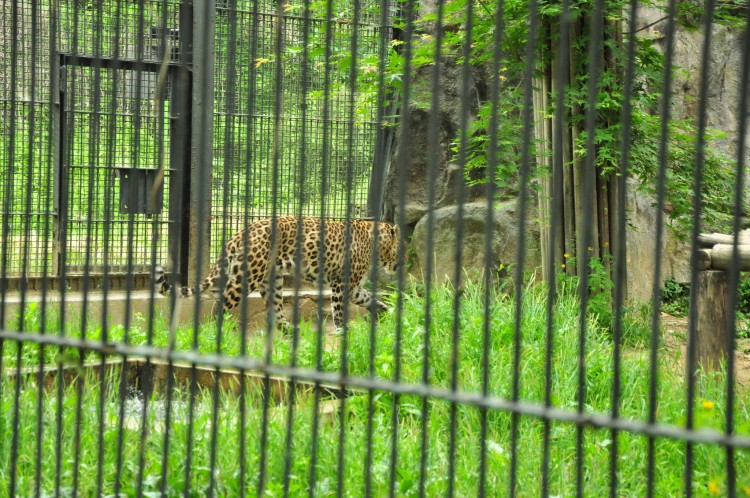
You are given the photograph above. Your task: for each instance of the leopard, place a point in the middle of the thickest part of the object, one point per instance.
(248, 252)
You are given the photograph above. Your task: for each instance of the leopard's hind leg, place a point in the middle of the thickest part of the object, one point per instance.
(233, 288)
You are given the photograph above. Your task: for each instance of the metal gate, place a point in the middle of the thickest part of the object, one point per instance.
(113, 209)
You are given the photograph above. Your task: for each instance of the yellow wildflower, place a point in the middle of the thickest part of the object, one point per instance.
(713, 488)
(707, 405)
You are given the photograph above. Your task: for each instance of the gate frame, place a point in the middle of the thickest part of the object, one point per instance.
(182, 160)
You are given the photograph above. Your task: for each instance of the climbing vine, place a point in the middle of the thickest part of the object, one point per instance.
(647, 99)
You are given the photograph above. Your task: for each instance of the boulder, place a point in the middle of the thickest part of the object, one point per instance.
(419, 145)
(504, 240)
(724, 75)
(641, 249)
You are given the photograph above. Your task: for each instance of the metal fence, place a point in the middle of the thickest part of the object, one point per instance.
(79, 83)
(145, 134)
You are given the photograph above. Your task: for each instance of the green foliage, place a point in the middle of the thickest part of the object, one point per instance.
(414, 361)
(635, 329)
(675, 298)
(692, 13)
(646, 100)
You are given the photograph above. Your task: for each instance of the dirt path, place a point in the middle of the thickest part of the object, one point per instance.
(675, 343)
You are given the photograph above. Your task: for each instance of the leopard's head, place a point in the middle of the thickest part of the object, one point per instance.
(388, 246)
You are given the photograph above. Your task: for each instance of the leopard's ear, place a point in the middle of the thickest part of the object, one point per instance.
(394, 230)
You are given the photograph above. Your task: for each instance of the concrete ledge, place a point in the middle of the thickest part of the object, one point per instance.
(118, 303)
(147, 376)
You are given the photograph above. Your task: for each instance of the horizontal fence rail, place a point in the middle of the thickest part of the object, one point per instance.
(344, 248)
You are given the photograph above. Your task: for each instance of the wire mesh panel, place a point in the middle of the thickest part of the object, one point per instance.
(115, 138)
(26, 161)
(97, 178)
(521, 339)
(311, 94)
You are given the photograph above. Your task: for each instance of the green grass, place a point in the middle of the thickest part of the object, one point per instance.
(709, 463)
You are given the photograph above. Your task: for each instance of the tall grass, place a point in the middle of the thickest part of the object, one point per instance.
(709, 464)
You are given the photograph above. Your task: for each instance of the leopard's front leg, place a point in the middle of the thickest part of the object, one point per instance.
(363, 297)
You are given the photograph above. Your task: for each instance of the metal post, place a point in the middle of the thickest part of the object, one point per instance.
(201, 170)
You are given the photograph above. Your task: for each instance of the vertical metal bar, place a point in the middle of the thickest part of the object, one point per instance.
(181, 158)
(696, 228)
(375, 209)
(489, 258)
(403, 163)
(140, 31)
(660, 201)
(10, 179)
(51, 129)
(734, 274)
(30, 166)
(273, 272)
(346, 280)
(465, 104)
(523, 200)
(321, 242)
(61, 157)
(231, 76)
(203, 102)
(69, 140)
(67, 101)
(145, 379)
(92, 169)
(204, 20)
(432, 165)
(299, 239)
(250, 170)
(620, 250)
(589, 172)
(380, 158)
(558, 128)
(5, 236)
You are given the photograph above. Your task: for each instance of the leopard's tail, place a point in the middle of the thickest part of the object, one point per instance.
(163, 287)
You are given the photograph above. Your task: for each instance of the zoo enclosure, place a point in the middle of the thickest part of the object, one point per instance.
(462, 410)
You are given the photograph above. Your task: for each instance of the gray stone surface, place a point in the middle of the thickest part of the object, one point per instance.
(725, 65)
(419, 146)
(641, 248)
(722, 114)
(504, 240)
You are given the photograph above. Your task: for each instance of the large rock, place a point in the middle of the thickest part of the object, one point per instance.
(504, 240)
(724, 75)
(641, 248)
(419, 146)
(722, 113)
